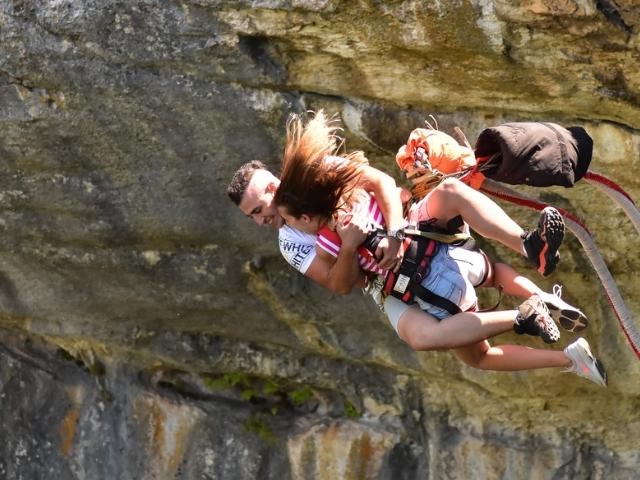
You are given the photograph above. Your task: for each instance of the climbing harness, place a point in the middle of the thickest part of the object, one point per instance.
(420, 244)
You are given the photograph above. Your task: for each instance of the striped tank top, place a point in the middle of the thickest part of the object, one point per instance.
(329, 240)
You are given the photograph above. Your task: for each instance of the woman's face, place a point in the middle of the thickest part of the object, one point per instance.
(306, 223)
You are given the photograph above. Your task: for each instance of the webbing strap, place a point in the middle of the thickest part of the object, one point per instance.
(436, 300)
(438, 237)
(415, 266)
(433, 235)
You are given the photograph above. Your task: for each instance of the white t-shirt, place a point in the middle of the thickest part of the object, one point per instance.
(297, 248)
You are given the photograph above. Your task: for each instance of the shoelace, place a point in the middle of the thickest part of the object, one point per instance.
(557, 290)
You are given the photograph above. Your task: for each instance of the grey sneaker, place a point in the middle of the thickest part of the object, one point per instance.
(542, 244)
(584, 364)
(534, 319)
(570, 318)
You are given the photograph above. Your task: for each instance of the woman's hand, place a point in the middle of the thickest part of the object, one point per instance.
(352, 229)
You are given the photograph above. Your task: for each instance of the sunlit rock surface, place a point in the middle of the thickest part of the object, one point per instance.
(149, 331)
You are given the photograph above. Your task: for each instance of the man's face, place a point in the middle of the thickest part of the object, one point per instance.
(257, 201)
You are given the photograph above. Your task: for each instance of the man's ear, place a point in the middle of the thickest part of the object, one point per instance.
(272, 187)
(305, 218)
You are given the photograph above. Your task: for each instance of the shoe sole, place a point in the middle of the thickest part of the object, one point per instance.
(551, 227)
(550, 332)
(546, 327)
(570, 320)
(601, 371)
(597, 363)
(550, 335)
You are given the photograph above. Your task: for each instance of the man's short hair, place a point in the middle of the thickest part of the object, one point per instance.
(241, 179)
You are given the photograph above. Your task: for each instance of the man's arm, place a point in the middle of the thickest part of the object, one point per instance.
(338, 275)
(343, 273)
(387, 195)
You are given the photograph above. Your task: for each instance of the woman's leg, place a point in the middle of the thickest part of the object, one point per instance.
(453, 198)
(422, 331)
(510, 358)
(512, 282)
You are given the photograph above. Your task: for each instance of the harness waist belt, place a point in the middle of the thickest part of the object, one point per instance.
(406, 284)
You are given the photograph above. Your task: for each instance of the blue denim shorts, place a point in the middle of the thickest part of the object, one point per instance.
(454, 273)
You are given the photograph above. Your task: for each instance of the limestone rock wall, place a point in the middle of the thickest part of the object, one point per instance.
(150, 331)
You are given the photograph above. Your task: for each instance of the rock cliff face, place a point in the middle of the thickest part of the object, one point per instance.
(149, 331)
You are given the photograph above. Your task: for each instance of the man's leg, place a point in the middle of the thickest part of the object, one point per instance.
(512, 283)
(576, 357)
(453, 198)
(510, 358)
(570, 317)
(422, 331)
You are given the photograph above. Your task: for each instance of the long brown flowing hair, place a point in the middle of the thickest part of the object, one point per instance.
(312, 182)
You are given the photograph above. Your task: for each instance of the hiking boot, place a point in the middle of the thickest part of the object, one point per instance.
(584, 364)
(534, 319)
(570, 318)
(543, 243)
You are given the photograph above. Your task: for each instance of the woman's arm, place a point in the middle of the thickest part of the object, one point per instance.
(339, 275)
(387, 195)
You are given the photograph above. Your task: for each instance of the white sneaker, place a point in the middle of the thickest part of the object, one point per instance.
(570, 318)
(584, 364)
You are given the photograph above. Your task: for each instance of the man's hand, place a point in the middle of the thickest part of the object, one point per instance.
(389, 253)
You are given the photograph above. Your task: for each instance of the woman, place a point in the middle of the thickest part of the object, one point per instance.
(319, 192)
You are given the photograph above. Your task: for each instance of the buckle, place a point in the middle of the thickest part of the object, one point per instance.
(418, 277)
(401, 284)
